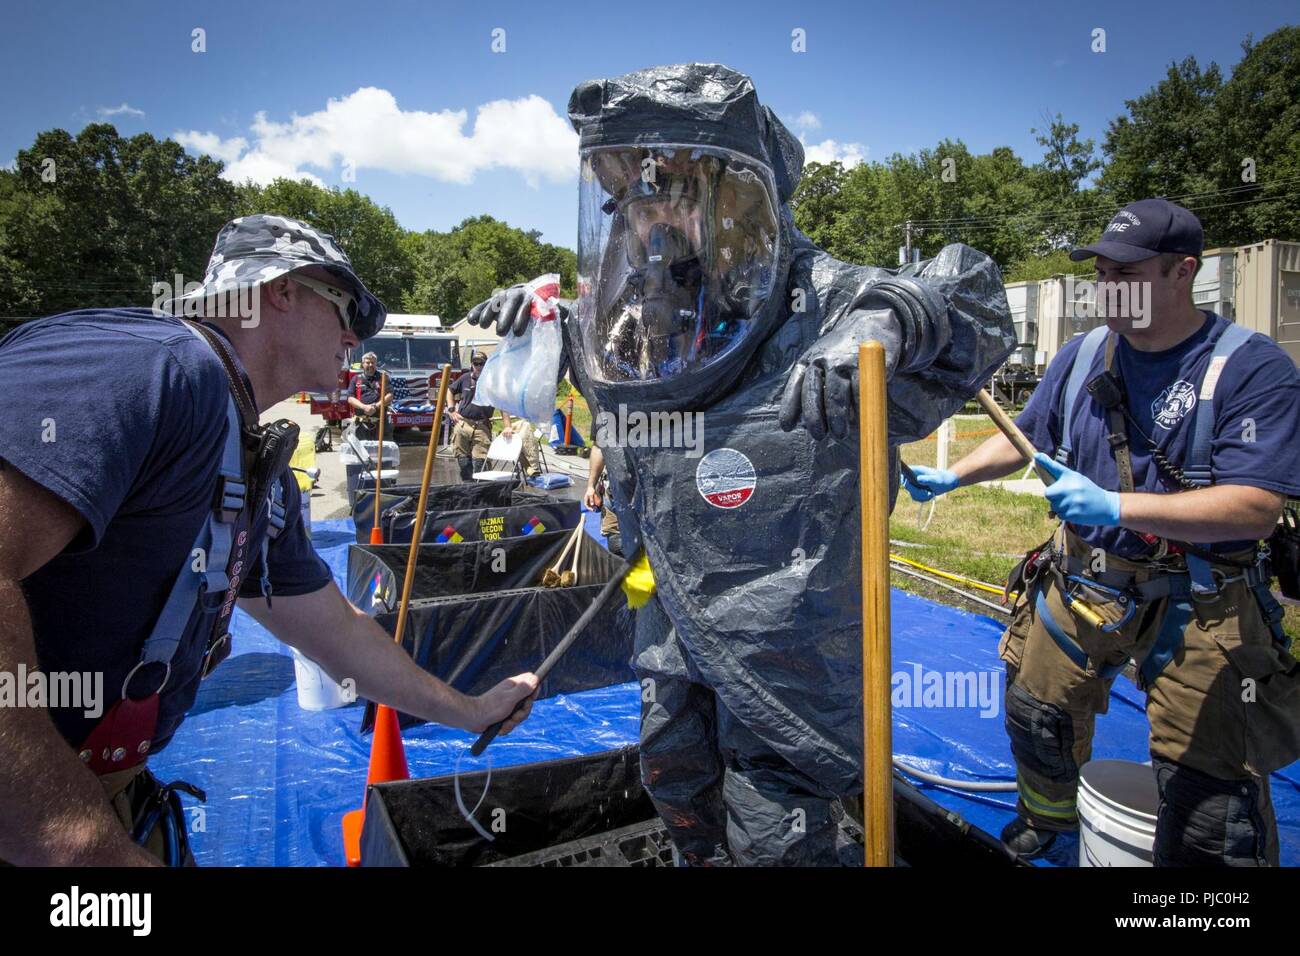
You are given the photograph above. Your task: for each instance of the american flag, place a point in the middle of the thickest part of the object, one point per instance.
(403, 389)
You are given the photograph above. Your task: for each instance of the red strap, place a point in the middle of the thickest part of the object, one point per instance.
(123, 735)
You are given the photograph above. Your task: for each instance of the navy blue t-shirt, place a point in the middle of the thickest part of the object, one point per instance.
(1256, 419)
(463, 389)
(122, 414)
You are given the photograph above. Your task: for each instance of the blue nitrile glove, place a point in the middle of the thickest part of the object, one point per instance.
(932, 482)
(1077, 498)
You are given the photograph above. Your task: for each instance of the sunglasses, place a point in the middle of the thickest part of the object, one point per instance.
(342, 300)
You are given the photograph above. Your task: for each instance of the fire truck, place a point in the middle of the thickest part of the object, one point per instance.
(412, 349)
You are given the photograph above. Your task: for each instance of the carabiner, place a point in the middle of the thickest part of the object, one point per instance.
(1126, 600)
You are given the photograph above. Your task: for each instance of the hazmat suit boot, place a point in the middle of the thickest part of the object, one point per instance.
(1020, 837)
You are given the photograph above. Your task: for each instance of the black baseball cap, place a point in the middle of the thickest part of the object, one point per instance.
(1144, 229)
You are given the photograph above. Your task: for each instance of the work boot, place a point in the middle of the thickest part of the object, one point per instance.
(1020, 837)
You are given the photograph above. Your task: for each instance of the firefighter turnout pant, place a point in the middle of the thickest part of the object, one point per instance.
(469, 443)
(1224, 711)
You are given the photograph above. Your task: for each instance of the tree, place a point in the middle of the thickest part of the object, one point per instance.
(1057, 262)
(1165, 145)
(368, 233)
(95, 219)
(458, 269)
(1067, 210)
(818, 201)
(947, 193)
(1257, 114)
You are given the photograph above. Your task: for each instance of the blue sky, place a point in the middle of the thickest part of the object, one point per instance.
(875, 79)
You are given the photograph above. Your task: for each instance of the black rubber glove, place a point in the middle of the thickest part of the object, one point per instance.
(821, 393)
(510, 309)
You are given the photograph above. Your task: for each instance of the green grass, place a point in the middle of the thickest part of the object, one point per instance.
(980, 532)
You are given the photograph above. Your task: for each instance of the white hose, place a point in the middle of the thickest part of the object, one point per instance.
(948, 587)
(922, 526)
(976, 786)
(460, 803)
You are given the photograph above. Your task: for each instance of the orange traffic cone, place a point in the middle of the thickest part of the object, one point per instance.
(387, 762)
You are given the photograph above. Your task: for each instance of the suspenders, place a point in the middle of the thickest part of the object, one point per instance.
(1197, 465)
(1199, 583)
(205, 589)
(1073, 385)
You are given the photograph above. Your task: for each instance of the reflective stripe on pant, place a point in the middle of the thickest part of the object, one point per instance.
(724, 795)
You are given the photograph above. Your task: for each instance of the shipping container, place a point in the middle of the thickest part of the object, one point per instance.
(1266, 285)
(1213, 287)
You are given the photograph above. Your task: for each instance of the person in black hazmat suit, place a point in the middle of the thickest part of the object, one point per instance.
(697, 294)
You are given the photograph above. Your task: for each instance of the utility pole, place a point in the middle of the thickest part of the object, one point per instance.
(905, 254)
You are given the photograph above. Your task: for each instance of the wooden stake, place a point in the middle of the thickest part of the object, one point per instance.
(377, 536)
(414, 552)
(1013, 433)
(873, 490)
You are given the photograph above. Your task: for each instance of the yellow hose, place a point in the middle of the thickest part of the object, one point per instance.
(960, 579)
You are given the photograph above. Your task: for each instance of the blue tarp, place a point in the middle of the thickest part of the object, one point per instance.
(279, 778)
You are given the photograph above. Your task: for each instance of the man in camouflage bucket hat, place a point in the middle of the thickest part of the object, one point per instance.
(253, 250)
(135, 453)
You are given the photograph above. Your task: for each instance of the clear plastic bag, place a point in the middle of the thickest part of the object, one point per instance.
(520, 376)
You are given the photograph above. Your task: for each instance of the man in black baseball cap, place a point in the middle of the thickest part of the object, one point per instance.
(1146, 228)
(1171, 435)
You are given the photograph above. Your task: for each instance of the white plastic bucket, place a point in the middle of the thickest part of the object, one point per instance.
(1117, 813)
(316, 689)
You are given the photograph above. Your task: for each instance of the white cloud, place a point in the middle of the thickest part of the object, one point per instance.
(369, 130)
(830, 151)
(226, 150)
(804, 121)
(125, 109)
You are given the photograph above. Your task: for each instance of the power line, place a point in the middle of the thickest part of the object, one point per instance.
(964, 225)
(1096, 212)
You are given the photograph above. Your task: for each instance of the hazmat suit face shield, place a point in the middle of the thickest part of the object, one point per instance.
(678, 249)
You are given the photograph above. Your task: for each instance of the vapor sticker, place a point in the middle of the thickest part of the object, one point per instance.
(725, 478)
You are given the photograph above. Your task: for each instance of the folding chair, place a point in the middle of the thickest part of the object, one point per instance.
(503, 460)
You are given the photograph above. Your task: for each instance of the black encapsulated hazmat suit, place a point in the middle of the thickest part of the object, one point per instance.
(698, 295)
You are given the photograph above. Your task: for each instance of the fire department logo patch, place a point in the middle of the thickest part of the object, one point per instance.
(726, 478)
(1173, 403)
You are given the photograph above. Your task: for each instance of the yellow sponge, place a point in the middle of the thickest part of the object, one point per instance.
(639, 585)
